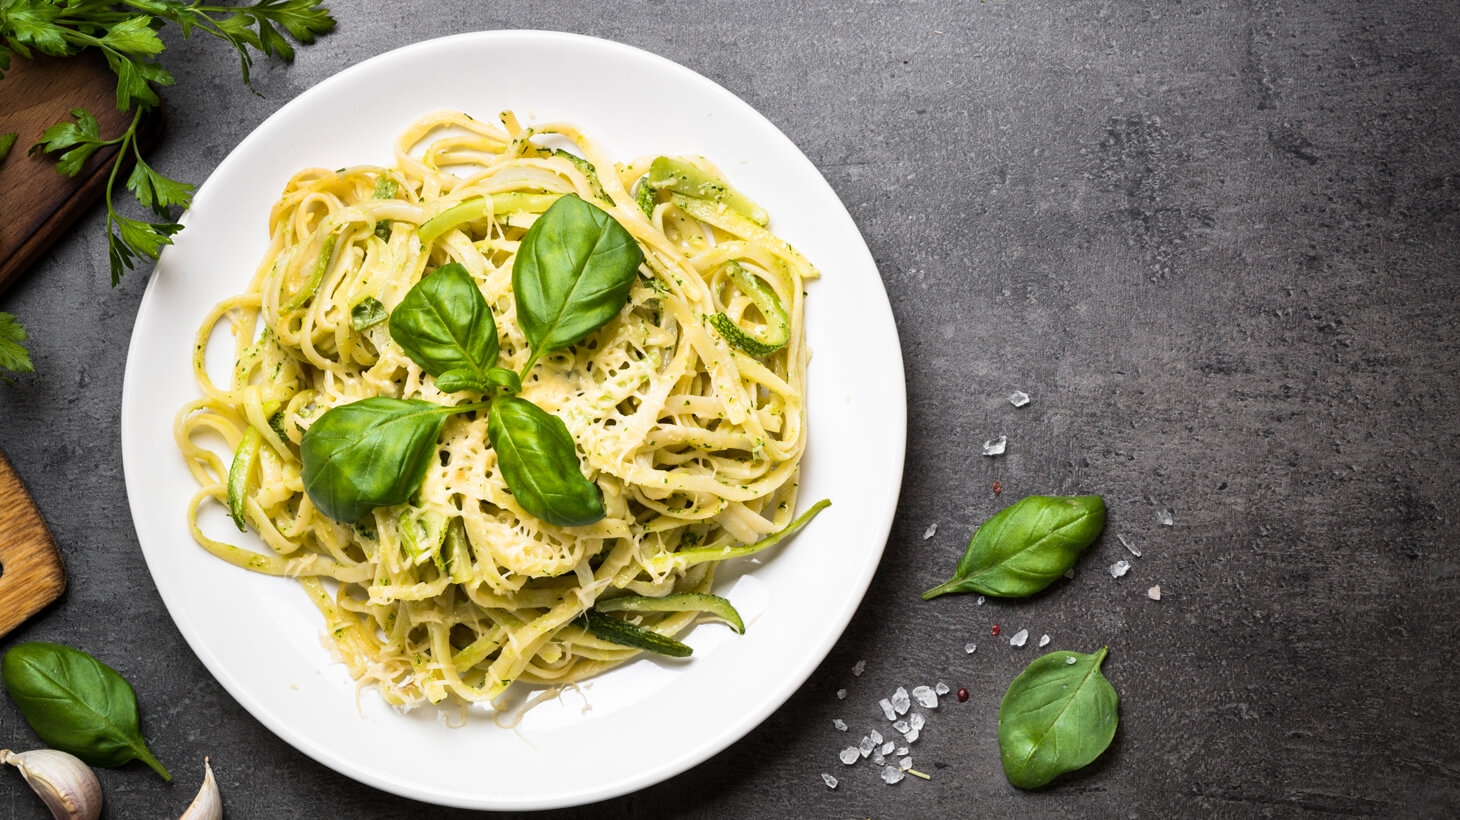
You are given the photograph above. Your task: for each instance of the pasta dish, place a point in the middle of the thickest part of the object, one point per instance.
(503, 407)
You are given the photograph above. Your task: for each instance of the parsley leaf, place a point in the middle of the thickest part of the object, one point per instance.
(13, 355)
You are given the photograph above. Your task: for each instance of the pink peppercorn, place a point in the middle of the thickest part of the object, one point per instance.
(962, 695)
(995, 630)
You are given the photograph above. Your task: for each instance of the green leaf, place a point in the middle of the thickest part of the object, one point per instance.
(1058, 716)
(77, 140)
(539, 462)
(7, 141)
(1026, 546)
(368, 454)
(13, 355)
(77, 704)
(156, 191)
(132, 86)
(615, 630)
(444, 324)
(303, 19)
(30, 25)
(134, 37)
(367, 313)
(572, 274)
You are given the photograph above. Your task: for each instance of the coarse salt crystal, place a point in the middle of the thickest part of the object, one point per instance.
(925, 696)
(1019, 638)
(1165, 517)
(888, 747)
(858, 668)
(850, 755)
(901, 750)
(931, 531)
(902, 726)
(919, 720)
(841, 694)
(970, 648)
(1070, 573)
(840, 724)
(941, 688)
(1044, 640)
(876, 736)
(1018, 398)
(980, 600)
(828, 780)
(878, 758)
(905, 763)
(900, 701)
(1126, 542)
(865, 747)
(912, 737)
(892, 774)
(995, 446)
(1119, 568)
(887, 709)
(1154, 593)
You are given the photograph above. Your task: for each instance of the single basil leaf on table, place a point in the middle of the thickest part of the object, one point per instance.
(77, 704)
(1026, 546)
(572, 274)
(539, 462)
(368, 454)
(1058, 716)
(444, 324)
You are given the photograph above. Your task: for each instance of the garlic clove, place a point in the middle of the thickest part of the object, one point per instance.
(208, 805)
(67, 785)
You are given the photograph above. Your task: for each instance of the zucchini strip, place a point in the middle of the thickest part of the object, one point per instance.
(623, 633)
(239, 472)
(677, 602)
(777, 330)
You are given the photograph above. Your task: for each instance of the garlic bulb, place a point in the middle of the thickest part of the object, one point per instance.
(208, 805)
(67, 785)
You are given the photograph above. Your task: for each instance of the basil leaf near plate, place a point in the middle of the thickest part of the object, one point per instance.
(1026, 546)
(77, 704)
(1059, 714)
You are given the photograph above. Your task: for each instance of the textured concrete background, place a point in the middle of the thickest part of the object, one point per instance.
(1216, 242)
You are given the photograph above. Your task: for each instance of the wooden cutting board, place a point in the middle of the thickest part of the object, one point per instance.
(31, 574)
(40, 204)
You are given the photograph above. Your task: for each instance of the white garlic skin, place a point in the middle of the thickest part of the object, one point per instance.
(208, 805)
(67, 785)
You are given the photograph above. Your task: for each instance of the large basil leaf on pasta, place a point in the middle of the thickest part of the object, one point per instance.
(445, 326)
(537, 458)
(572, 274)
(369, 454)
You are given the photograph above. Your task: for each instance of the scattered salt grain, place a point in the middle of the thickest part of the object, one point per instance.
(905, 763)
(841, 694)
(865, 747)
(888, 747)
(1125, 542)
(1070, 573)
(1019, 638)
(850, 755)
(840, 724)
(901, 750)
(970, 648)
(1154, 593)
(1070, 660)
(858, 668)
(912, 737)
(925, 696)
(878, 759)
(931, 531)
(887, 709)
(941, 688)
(1044, 640)
(1165, 517)
(1119, 568)
(892, 774)
(876, 736)
(828, 780)
(900, 701)
(918, 720)
(995, 446)
(1018, 398)
(980, 600)
(902, 726)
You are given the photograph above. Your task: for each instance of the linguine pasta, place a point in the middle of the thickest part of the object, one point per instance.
(691, 429)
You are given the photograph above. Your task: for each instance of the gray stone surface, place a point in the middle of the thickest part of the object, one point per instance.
(1217, 243)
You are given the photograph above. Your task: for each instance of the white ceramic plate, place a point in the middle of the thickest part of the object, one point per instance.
(650, 720)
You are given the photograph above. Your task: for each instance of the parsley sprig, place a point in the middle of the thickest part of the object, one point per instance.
(126, 35)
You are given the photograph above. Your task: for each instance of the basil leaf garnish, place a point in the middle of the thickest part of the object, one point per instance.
(444, 324)
(372, 453)
(1058, 716)
(572, 274)
(539, 462)
(77, 704)
(367, 313)
(1026, 546)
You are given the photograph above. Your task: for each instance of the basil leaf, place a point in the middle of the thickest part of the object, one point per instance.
(498, 379)
(1026, 546)
(444, 324)
(76, 704)
(1058, 716)
(372, 453)
(572, 274)
(536, 455)
(367, 313)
